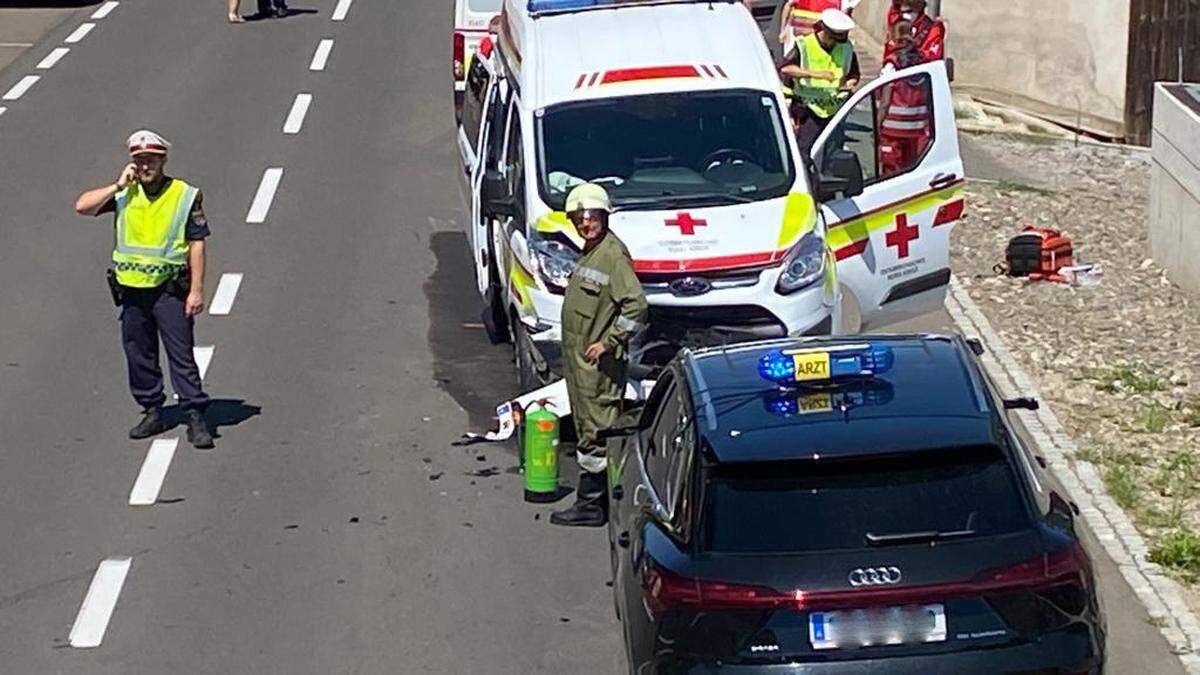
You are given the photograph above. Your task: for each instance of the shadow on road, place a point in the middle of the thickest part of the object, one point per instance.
(291, 12)
(222, 412)
(477, 374)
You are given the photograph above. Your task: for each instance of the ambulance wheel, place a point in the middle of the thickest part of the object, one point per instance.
(495, 320)
(527, 377)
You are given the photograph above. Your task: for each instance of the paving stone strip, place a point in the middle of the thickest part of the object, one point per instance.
(1162, 596)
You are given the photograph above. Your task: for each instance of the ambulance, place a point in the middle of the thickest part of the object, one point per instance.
(471, 18)
(675, 107)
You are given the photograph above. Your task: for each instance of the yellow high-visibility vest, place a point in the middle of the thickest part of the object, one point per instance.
(151, 244)
(822, 96)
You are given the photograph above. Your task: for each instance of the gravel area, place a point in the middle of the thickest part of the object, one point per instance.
(1119, 362)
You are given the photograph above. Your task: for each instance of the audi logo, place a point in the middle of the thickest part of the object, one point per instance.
(874, 576)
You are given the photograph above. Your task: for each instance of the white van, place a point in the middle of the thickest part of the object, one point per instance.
(471, 19)
(676, 108)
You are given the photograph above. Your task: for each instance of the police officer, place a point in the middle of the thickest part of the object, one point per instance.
(603, 308)
(157, 280)
(824, 69)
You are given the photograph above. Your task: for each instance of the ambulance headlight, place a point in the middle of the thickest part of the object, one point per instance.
(554, 261)
(804, 265)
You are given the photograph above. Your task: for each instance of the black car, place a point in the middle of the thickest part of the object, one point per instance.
(843, 505)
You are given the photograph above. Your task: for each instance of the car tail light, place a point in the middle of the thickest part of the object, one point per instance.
(460, 54)
(666, 590)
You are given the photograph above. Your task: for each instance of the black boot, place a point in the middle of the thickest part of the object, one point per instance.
(151, 425)
(197, 430)
(591, 503)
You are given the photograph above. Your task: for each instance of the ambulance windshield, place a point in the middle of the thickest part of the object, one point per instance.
(663, 151)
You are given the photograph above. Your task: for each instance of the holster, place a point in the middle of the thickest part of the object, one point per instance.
(114, 288)
(180, 285)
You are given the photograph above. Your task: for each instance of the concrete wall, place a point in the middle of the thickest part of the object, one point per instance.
(1175, 186)
(1075, 58)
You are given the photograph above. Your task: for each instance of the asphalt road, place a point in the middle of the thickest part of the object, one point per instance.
(334, 529)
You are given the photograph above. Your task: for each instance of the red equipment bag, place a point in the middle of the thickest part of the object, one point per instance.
(1038, 253)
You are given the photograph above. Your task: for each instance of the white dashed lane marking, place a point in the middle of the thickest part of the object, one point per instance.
(227, 289)
(53, 57)
(18, 90)
(99, 603)
(295, 118)
(79, 33)
(321, 55)
(261, 205)
(105, 9)
(3, 110)
(203, 356)
(154, 472)
(343, 8)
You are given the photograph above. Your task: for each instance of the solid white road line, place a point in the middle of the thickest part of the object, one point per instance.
(339, 12)
(79, 33)
(321, 55)
(227, 289)
(18, 90)
(24, 45)
(295, 118)
(266, 193)
(203, 356)
(53, 58)
(105, 9)
(154, 471)
(99, 603)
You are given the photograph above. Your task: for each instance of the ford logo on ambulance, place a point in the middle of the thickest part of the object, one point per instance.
(690, 287)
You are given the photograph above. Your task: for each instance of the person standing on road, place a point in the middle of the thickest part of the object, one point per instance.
(929, 34)
(157, 279)
(272, 8)
(233, 8)
(603, 308)
(824, 70)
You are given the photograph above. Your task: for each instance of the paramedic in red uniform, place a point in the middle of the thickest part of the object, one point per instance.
(907, 121)
(929, 33)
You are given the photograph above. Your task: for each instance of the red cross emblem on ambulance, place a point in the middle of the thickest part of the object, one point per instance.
(686, 224)
(902, 235)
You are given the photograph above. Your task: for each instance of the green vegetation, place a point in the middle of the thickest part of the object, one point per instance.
(1179, 551)
(1125, 377)
(1152, 420)
(1121, 481)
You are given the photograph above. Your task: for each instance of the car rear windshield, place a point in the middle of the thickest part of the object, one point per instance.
(846, 504)
(492, 6)
(669, 150)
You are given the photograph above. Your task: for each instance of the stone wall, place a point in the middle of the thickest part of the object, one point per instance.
(1072, 61)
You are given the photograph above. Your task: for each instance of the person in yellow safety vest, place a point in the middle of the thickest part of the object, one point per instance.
(824, 71)
(157, 280)
(603, 308)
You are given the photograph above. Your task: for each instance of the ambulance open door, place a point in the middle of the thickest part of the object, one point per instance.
(889, 177)
(479, 146)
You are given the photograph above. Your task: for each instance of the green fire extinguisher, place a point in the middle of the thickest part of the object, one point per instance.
(541, 455)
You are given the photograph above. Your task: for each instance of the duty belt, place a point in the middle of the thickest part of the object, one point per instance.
(144, 268)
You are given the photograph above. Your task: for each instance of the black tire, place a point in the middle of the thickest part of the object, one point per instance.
(527, 376)
(495, 318)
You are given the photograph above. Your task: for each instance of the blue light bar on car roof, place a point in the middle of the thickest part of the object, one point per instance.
(823, 364)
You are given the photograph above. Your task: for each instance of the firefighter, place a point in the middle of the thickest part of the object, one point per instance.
(824, 70)
(603, 308)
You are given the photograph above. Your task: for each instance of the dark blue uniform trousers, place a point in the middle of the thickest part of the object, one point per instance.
(147, 315)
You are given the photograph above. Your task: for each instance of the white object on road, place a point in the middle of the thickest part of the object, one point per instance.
(105, 9)
(99, 603)
(79, 33)
(1082, 275)
(321, 56)
(340, 11)
(227, 288)
(18, 90)
(295, 118)
(261, 205)
(53, 58)
(203, 357)
(154, 472)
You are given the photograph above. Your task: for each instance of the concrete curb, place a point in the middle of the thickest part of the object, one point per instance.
(1161, 595)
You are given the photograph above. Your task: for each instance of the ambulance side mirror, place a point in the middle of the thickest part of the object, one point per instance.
(495, 196)
(841, 176)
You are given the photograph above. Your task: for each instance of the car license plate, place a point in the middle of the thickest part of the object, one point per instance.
(811, 366)
(857, 628)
